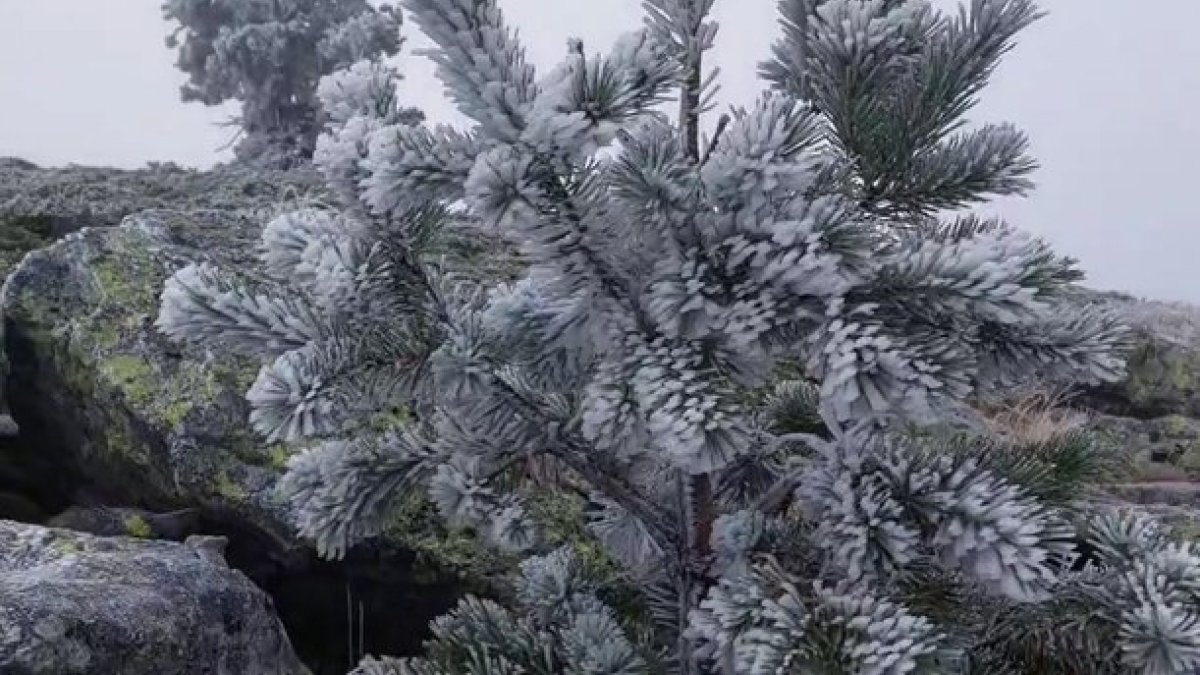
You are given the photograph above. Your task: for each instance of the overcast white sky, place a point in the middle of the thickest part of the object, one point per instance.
(1107, 89)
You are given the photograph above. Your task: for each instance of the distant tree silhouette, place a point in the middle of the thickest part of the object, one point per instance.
(270, 56)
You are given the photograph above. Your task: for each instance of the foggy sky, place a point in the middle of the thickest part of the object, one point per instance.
(1106, 89)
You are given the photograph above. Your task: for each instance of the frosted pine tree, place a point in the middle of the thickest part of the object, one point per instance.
(269, 56)
(755, 353)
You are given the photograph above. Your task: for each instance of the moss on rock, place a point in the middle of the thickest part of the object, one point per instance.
(1162, 377)
(1163, 361)
(136, 526)
(160, 423)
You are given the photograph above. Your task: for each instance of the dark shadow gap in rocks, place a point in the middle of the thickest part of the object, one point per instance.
(335, 611)
(45, 471)
(27, 468)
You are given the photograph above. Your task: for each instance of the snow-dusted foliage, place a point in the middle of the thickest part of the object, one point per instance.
(560, 626)
(755, 353)
(269, 55)
(358, 101)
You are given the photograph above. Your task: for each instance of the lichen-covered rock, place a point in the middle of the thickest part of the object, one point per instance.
(74, 604)
(112, 413)
(125, 414)
(1161, 448)
(37, 206)
(120, 415)
(1164, 360)
(1153, 414)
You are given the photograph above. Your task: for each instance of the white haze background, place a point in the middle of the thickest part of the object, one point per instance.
(1107, 90)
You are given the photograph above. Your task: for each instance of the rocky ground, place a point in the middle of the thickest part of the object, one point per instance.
(119, 432)
(39, 205)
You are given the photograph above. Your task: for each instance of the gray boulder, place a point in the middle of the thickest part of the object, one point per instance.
(1164, 361)
(39, 205)
(74, 604)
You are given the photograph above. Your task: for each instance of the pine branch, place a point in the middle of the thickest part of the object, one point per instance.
(689, 114)
(577, 457)
(343, 491)
(774, 499)
(199, 305)
(480, 62)
(681, 25)
(722, 124)
(693, 501)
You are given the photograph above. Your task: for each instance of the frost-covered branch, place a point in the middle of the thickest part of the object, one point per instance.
(479, 61)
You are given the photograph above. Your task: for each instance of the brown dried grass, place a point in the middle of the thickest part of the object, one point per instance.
(1034, 415)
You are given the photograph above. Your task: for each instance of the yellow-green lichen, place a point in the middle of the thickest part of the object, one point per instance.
(1183, 374)
(279, 455)
(241, 373)
(1175, 425)
(246, 447)
(176, 411)
(166, 397)
(559, 517)
(561, 520)
(124, 275)
(65, 547)
(227, 488)
(107, 338)
(134, 376)
(121, 442)
(1157, 373)
(392, 417)
(136, 526)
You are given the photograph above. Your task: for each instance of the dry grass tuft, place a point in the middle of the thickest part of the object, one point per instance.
(1034, 416)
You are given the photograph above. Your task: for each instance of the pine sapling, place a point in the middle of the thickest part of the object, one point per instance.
(753, 355)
